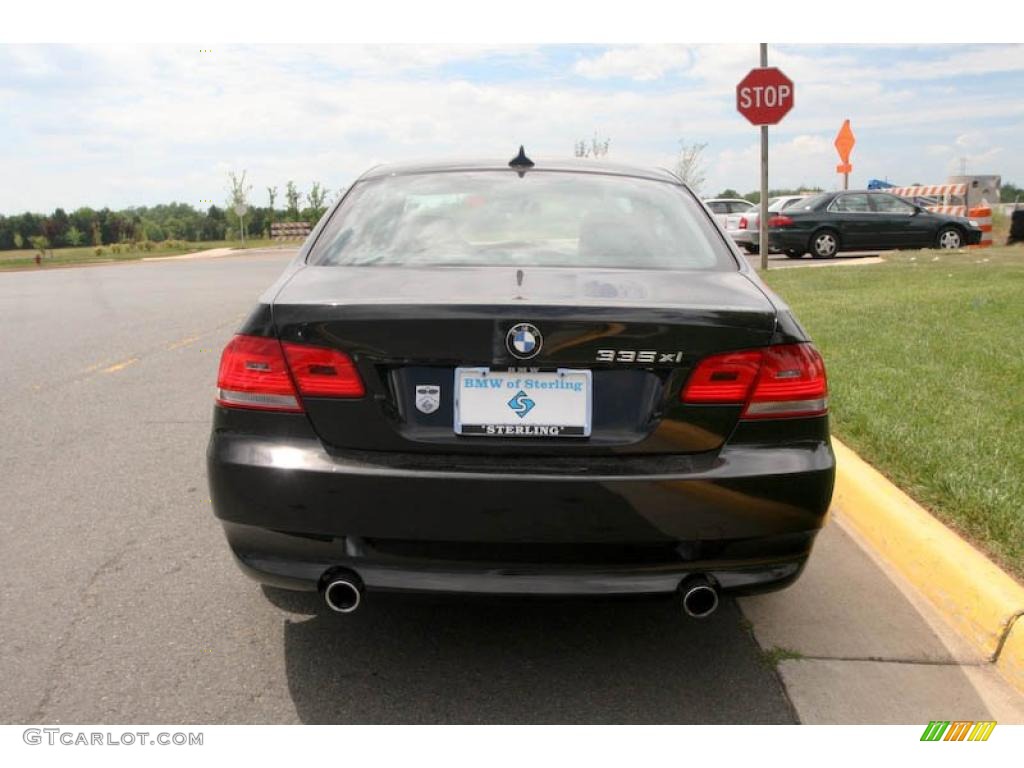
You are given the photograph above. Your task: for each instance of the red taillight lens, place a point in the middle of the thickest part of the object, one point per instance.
(724, 378)
(792, 382)
(262, 373)
(780, 221)
(323, 372)
(780, 381)
(253, 374)
(743, 222)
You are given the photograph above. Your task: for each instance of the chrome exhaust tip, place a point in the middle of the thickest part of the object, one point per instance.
(343, 591)
(700, 597)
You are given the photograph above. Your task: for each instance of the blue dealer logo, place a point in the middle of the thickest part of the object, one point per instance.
(521, 404)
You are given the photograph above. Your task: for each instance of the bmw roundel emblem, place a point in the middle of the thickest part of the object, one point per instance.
(524, 341)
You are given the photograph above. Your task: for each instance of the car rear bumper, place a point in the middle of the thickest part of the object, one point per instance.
(293, 562)
(745, 237)
(746, 516)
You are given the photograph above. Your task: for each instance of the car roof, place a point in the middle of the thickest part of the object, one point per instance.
(541, 164)
(727, 200)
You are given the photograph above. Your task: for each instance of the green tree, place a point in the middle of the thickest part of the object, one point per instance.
(316, 198)
(239, 196)
(272, 194)
(74, 236)
(291, 194)
(729, 193)
(6, 234)
(40, 243)
(55, 226)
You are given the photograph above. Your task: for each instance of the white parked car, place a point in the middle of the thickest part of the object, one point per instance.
(744, 227)
(722, 207)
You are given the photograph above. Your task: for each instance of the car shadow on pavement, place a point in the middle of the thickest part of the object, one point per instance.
(440, 659)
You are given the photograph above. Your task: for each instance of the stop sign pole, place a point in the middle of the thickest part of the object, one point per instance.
(763, 218)
(764, 97)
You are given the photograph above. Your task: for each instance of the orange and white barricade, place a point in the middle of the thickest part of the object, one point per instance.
(983, 215)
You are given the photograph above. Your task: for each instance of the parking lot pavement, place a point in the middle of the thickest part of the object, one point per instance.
(859, 645)
(119, 601)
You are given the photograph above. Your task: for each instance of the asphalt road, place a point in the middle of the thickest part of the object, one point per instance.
(119, 601)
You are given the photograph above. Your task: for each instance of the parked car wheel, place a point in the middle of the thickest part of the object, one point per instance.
(794, 255)
(752, 249)
(950, 238)
(824, 244)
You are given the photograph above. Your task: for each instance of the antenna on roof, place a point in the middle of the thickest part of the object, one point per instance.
(521, 161)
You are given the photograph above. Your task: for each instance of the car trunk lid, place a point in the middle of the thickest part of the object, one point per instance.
(638, 332)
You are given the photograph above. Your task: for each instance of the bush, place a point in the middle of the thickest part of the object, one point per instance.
(100, 251)
(116, 248)
(40, 243)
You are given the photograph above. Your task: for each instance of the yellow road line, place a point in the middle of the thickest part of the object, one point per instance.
(120, 366)
(182, 342)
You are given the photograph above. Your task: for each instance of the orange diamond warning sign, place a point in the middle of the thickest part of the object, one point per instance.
(844, 145)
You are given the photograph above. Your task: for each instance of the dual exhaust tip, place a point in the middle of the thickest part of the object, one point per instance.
(343, 593)
(699, 597)
(342, 590)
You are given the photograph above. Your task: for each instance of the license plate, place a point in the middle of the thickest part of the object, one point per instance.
(515, 404)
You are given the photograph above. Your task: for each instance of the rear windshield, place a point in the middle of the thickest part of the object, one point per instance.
(544, 218)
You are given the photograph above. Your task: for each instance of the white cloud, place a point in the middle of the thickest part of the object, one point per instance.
(140, 125)
(636, 62)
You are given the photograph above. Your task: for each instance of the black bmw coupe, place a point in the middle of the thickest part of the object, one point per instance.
(557, 378)
(825, 224)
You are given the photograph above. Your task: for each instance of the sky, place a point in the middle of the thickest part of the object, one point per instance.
(120, 126)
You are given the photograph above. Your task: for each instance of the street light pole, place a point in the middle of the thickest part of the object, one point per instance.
(763, 218)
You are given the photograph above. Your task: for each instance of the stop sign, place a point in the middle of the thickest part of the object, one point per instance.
(764, 96)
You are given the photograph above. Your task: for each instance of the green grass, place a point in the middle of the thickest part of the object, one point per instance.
(925, 356)
(21, 259)
(774, 655)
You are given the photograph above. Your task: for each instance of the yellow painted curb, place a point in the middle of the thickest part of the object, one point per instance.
(1011, 657)
(974, 595)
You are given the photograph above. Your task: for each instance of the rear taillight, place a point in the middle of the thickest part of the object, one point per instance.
(261, 373)
(724, 378)
(792, 382)
(323, 372)
(254, 374)
(780, 381)
(743, 222)
(780, 221)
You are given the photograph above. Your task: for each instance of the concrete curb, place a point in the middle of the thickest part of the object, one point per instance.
(209, 253)
(975, 596)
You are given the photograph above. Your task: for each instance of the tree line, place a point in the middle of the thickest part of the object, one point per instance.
(174, 221)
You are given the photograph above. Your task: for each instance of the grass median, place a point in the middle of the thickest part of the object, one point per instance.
(63, 257)
(925, 355)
